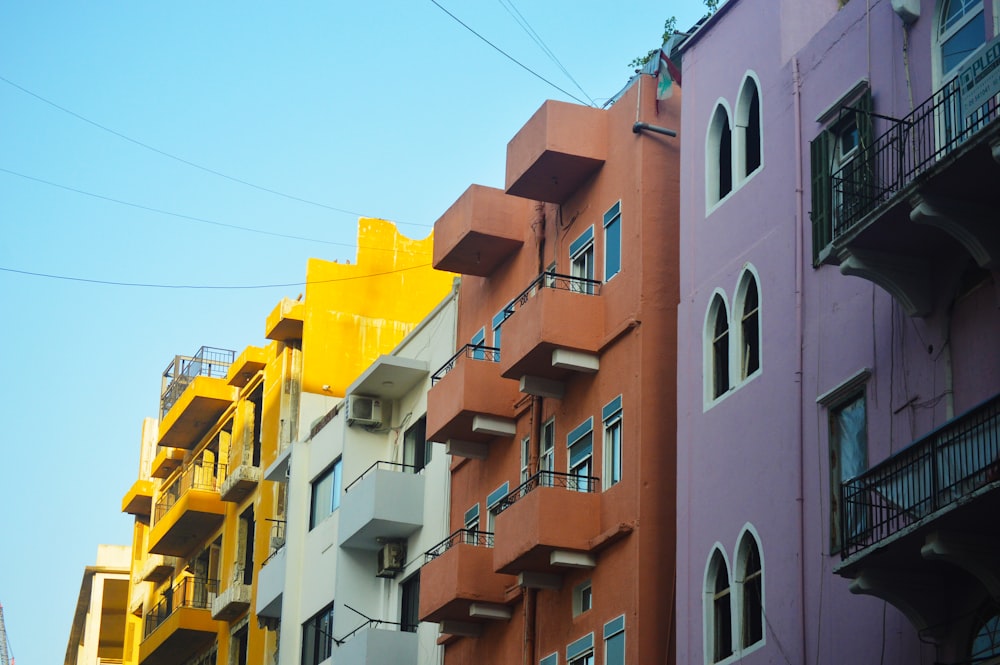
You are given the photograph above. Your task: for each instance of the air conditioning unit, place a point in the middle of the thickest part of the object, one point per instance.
(364, 410)
(391, 559)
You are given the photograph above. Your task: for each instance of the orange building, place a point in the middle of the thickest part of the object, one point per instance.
(559, 411)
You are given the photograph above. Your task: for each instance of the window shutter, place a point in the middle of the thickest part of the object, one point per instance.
(822, 219)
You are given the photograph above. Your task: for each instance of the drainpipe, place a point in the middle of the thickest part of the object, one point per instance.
(800, 334)
(531, 595)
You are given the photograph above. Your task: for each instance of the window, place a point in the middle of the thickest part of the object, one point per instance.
(492, 499)
(718, 609)
(717, 348)
(986, 638)
(748, 307)
(498, 320)
(961, 30)
(479, 340)
(581, 444)
(613, 241)
(238, 646)
(719, 156)
(546, 451)
(581, 260)
(525, 458)
(257, 401)
(416, 447)
(409, 612)
(583, 598)
(748, 127)
(614, 641)
(325, 494)
(246, 546)
(842, 176)
(472, 524)
(317, 637)
(848, 459)
(749, 575)
(581, 652)
(551, 659)
(611, 415)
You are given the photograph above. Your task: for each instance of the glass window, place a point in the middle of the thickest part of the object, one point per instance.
(751, 132)
(325, 494)
(750, 327)
(317, 637)
(720, 347)
(479, 340)
(546, 452)
(409, 613)
(583, 598)
(612, 241)
(848, 459)
(962, 29)
(614, 641)
(525, 455)
(581, 260)
(752, 592)
(416, 448)
(581, 445)
(721, 610)
(612, 417)
(986, 639)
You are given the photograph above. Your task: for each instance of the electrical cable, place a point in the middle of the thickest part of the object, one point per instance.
(507, 55)
(207, 286)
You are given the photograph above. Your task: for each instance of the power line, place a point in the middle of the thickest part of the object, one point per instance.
(507, 55)
(192, 218)
(206, 286)
(518, 17)
(181, 159)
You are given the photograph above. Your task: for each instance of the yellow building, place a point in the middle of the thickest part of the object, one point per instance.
(205, 518)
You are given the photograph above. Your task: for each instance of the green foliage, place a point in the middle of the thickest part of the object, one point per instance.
(669, 28)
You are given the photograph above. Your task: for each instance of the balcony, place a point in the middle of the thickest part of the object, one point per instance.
(181, 624)
(188, 511)
(271, 576)
(458, 587)
(539, 347)
(385, 502)
(245, 367)
(547, 525)
(239, 483)
(468, 401)
(157, 567)
(559, 148)
(389, 377)
(480, 231)
(284, 323)
(912, 527)
(378, 642)
(921, 194)
(234, 600)
(139, 498)
(167, 459)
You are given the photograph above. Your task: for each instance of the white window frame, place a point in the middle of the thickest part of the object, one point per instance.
(577, 435)
(721, 115)
(335, 472)
(738, 586)
(741, 124)
(748, 273)
(525, 458)
(708, 347)
(583, 598)
(581, 260)
(612, 427)
(547, 448)
(717, 553)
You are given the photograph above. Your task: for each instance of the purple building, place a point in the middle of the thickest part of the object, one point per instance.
(839, 334)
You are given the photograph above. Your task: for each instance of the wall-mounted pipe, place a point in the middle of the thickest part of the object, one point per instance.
(639, 126)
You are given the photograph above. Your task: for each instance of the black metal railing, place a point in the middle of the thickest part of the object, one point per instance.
(382, 464)
(567, 481)
(199, 475)
(552, 280)
(380, 624)
(474, 351)
(942, 468)
(277, 542)
(909, 147)
(194, 592)
(207, 361)
(460, 537)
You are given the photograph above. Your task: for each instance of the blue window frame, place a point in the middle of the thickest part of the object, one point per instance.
(498, 320)
(479, 339)
(581, 652)
(614, 641)
(613, 241)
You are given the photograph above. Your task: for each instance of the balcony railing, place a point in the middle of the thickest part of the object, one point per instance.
(910, 146)
(381, 464)
(552, 280)
(277, 542)
(193, 592)
(208, 361)
(566, 481)
(935, 472)
(200, 475)
(474, 351)
(378, 623)
(460, 537)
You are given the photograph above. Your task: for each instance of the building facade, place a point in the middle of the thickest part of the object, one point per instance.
(839, 362)
(558, 407)
(97, 634)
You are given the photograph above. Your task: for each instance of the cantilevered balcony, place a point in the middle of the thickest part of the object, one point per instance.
(547, 525)
(386, 502)
(180, 624)
(559, 148)
(553, 328)
(270, 580)
(479, 231)
(157, 567)
(139, 498)
(923, 193)
(284, 323)
(234, 600)
(194, 394)
(246, 365)
(188, 510)
(458, 587)
(912, 527)
(469, 404)
(167, 459)
(377, 643)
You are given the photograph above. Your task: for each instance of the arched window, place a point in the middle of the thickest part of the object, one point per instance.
(961, 29)
(750, 577)
(986, 638)
(719, 156)
(718, 610)
(748, 127)
(748, 310)
(717, 342)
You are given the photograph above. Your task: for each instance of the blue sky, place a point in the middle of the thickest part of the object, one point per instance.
(113, 114)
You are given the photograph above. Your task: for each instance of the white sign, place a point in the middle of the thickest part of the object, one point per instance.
(979, 79)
